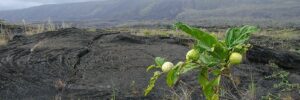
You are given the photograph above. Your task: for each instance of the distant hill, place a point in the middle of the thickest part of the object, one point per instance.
(121, 10)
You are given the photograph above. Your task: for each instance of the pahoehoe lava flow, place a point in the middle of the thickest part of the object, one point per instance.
(74, 63)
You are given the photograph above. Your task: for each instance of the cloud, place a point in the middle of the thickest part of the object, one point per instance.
(55, 1)
(18, 4)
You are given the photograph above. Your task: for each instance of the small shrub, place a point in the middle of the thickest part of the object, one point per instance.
(211, 57)
(147, 33)
(91, 29)
(284, 84)
(271, 97)
(3, 39)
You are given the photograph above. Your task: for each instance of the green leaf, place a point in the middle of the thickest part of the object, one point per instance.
(209, 90)
(208, 60)
(215, 97)
(152, 81)
(198, 47)
(173, 76)
(215, 82)
(151, 67)
(239, 35)
(205, 40)
(185, 28)
(220, 52)
(216, 72)
(159, 61)
(229, 36)
(188, 67)
(203, 77)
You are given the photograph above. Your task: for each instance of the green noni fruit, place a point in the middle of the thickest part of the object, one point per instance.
(235, 58)
(192, 55)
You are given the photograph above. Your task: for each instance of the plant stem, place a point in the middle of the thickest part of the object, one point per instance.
(234, 85)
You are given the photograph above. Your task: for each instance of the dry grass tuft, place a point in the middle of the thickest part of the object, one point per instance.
(284, 34)
(3, 42)
(4, 39)
(184, 93)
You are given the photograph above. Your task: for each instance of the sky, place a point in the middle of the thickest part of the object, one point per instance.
(19, 4)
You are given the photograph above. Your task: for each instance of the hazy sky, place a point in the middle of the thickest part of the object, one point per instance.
(17, 4)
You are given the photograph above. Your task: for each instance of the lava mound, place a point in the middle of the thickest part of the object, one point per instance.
(73, 63)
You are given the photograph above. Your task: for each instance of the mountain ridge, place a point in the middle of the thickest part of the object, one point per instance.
(121, 10)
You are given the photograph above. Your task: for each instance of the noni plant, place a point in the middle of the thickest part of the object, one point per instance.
(212, 58)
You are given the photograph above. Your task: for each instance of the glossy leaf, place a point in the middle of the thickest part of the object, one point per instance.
(236, 36)
(209, 88)
(208, 60)
(173, 76)
(203, 77)
(205, 40)
(159, 61)
(188, 67)
(219, 52)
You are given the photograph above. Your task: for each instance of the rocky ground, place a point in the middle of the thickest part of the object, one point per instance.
(74, 63)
